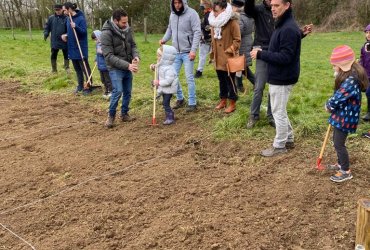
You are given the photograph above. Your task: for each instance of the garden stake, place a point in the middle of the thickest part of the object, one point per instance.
(154, 122)
(319, 166)
(88, 83)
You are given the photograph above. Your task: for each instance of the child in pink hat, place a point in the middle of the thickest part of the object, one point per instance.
(345, 105)
(365, 62)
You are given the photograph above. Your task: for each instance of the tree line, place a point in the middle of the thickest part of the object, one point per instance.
(325, 14)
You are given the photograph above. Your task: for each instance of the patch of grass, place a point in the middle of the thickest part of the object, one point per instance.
(29, 62)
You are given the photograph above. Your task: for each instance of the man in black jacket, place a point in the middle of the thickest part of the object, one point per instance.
(283, 59)
(56, 25)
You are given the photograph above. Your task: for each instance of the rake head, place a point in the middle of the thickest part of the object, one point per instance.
(319, 166)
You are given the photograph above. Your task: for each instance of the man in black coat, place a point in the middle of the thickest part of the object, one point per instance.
(56, 25)
(283, 59)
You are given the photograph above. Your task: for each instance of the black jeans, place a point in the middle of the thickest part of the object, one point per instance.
(54, 54)
(80, 72)
(105, 79)
(227, 87)
(166, 102)
(339, 138)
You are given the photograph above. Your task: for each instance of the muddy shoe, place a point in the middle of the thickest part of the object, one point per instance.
(289, 145)
(251, 122)
(109, 122)
(179, 104)
(273, 151)
(341, 176)
(127, 118)
(191, 108)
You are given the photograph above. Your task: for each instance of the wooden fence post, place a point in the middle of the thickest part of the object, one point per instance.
(100, 23)
(363, 223)
(30, 28)
(145, 30)
(12, 24)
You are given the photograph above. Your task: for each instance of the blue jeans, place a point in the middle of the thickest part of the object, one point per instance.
(121, 86)
(166, 103)
(183, 58)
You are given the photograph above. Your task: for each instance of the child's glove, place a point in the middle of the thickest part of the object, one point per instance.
(152, 66)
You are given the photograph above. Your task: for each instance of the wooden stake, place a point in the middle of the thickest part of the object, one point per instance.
(363, 223)
(145, 30)
(30, 28)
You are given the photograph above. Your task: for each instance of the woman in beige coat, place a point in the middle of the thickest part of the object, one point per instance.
(226, 38)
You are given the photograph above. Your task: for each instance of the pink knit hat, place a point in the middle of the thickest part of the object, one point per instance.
(343, 57)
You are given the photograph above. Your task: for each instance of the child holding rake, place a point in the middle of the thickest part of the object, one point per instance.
(345, 105)
(167, 80)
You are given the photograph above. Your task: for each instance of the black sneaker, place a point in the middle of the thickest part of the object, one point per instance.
(289, 145)
(191, 108)
(198, 74)
(179, 104)
(272, 122)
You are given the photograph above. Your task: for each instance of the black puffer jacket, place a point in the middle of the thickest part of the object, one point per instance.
(118, 46)
(56, 25)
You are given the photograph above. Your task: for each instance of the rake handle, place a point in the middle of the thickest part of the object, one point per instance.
(154, 95)
(79, 48)
(325, 141)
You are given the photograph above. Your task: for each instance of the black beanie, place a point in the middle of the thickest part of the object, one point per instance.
(237, 3)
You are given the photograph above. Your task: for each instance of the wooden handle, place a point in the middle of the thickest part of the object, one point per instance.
(154, 92)
(79, 48)
(325, 141)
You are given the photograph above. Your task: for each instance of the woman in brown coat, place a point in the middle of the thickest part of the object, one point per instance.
(226, 38)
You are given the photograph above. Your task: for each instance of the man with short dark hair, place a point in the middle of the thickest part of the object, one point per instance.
(283, 59)
(122, 58)
(185, 32)
(56, 25)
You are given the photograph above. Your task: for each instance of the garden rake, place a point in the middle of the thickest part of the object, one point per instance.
(319, 166)
(154, 122)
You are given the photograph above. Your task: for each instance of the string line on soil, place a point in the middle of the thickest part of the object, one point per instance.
(16, 235)
(43, 130)
(99, 177)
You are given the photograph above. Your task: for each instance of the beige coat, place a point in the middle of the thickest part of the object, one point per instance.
(228, 45)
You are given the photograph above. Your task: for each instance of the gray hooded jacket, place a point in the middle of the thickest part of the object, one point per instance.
(184, 29)
(167, 76)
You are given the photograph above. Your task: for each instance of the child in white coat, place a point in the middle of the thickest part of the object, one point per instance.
(167, 80)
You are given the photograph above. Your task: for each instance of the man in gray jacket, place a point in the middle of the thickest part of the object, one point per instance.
(122, 58)
(185, 32)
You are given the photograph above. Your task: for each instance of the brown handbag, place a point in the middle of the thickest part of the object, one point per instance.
(235, 63)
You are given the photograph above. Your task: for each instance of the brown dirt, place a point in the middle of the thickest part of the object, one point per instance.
(66, 182)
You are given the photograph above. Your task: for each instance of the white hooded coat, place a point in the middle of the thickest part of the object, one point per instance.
(168, 79)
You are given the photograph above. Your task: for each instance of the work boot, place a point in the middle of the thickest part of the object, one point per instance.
(232, 107)
(109, 122)
(239, 84)
(54, 66)
(221, 104)
(127, 118)
(170, 118)
(198, 74)
(366, 118)
(179, 104)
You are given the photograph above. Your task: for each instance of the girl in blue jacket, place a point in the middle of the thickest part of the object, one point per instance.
(102, 66)
(345, 105)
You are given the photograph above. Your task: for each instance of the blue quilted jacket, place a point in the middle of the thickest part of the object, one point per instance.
(345, 106)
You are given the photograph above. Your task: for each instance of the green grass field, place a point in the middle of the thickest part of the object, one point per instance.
(28, 61)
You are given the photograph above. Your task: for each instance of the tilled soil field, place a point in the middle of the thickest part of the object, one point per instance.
(68, 183)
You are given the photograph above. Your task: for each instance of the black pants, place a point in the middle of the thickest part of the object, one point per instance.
(227, 87)
(250, 75)
(80, 72)
(105, 79)
(54, 54)
(339, 138)
(166, 103)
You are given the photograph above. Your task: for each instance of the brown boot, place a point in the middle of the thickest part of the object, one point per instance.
(221, 104)
(109, 122)
(231, 107)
